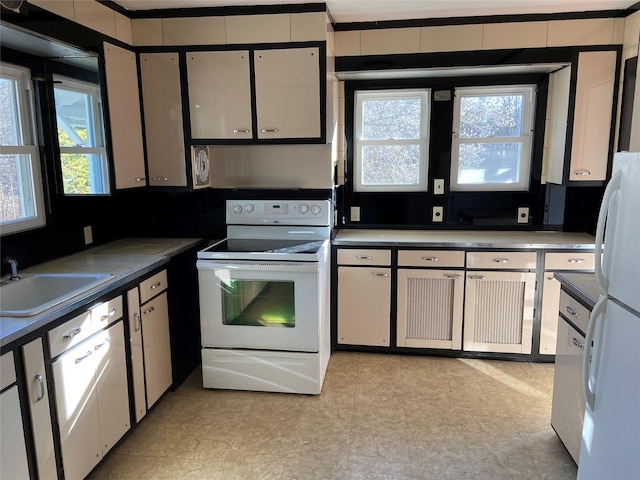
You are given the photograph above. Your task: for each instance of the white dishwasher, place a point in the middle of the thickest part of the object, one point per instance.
(567, 410)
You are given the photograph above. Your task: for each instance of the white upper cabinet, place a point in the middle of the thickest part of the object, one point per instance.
(162, 104)
(219, 94)
(121, 73)
(288, 93)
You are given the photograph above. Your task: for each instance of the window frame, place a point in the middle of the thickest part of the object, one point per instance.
(425, 119)
(526, 139)
(28, 146)
(103, 180)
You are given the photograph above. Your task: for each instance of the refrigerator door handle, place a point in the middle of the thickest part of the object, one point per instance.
(612, 187)
(588, 382)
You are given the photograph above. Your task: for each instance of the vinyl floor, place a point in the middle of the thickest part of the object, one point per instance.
(378, 417)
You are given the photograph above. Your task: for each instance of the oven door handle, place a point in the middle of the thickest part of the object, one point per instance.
(258, 266)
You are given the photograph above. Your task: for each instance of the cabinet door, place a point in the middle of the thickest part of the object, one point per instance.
(13, 454)
(288, 93)
(549, 314)
(157, 347)
(36, 380)
(498, 311)
(430, 308)
(77, 408)
(364, 305)
(121, 72)
(112, 388)
(219, 94)
(592, 115)
(162, 104)
(137, 362)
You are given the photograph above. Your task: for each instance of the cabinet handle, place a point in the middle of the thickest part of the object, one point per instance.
(363, 257)
(453, 276)
(582, 173)
(269, 130)
(501, 260)
(241, 130)
(140, 179)
(377, 274)
(576, 260)
(149, 310)
(577, 343)
(108, 315)
(79, 359)
(100, 345)
(551, 278)
(72, 333)
(155, 285)
(38, 378)
(571, 311)
(136, 321)
(160, 179)
(476, 277)
(430, 259)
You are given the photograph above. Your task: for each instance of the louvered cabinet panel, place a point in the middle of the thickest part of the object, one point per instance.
(499, 311)
(430, 304)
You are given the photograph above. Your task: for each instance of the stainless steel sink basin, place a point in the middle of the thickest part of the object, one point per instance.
(34, 293)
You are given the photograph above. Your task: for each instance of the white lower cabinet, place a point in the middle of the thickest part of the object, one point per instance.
(92, 399)
(498, 313)
(430, 305)
(36, 382)
(364, 305)
(13, 454)
(156, 347)
(137, 359)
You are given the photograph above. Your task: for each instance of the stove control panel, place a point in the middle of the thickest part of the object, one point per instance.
(273, 212)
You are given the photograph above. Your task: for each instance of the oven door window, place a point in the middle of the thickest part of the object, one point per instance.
(259, 303)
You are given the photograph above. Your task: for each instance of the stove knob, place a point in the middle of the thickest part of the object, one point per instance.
(315, 209)
(249, 207)
(237, 209)
(304, 208)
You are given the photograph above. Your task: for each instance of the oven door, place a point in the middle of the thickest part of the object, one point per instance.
(259, 305)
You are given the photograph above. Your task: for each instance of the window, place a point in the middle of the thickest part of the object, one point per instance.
(21, 196)
(492, 137)
(391, 140)
(83, 156)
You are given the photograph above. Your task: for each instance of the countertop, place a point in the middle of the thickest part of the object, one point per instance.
(582, 286)
(124, 259)
(464, 239)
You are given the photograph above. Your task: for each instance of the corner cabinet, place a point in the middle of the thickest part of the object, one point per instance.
(125, 121)
(286, 90)
(163, 122)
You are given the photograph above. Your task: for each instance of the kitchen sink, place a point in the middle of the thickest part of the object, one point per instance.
(34, 293)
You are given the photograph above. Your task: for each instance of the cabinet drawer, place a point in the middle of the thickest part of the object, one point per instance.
(430, 258)
(569, 261)
(152, 286)
(501, 260)
(70, 333)
(577, 313)
(7, 370)
(106, 313)
(364, 257)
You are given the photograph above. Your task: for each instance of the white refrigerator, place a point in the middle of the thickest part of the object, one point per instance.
(610, 447)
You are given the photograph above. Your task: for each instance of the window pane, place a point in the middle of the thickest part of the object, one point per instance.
(491, 116)
(397, 118)
(496, 163)
(75, 118)
(16, 188)
(10, 130)
(390, 164)
(82, 173)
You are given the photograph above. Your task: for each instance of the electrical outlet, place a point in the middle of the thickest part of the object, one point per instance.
(437, 214)
(355, 214)
(523, 215)
(88, 235)
(438, 186)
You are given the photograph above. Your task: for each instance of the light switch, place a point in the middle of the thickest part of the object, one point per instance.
(438, 186)
(355, 214)
(88, 235)
(437, 214)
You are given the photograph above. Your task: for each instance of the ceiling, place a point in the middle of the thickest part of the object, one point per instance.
(346, 11)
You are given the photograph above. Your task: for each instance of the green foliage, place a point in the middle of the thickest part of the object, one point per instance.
(75, 166)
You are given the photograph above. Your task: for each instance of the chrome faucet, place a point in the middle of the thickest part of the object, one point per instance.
(14, 267)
